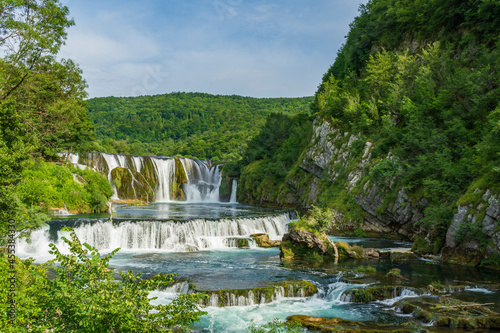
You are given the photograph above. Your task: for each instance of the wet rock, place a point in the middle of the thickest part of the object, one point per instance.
(319, 324)
(450, 313)
(263, 240)
(241, 243)
(377, 293)
(132, 185)
(304, 244)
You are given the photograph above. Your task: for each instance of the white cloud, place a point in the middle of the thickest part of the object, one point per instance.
(262, 50)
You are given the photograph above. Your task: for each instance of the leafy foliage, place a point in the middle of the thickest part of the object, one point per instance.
(428, 95)
(52, 185)
(85, 297)
(188, 124)
(272, 155)
(41, 98)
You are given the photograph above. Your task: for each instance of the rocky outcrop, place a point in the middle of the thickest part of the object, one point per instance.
(263, 240)
(473, 224)
(450, 313)
(318, 324)
(377, 293)
(341, 161)
(130, 184)
(344, 158)
(435, 312)
(303, 244)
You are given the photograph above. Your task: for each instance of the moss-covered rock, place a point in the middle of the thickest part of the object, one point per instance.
(241, 243)
(304, 244)
(421, 246)
(263, 240)
(225, 188)
(319, 324)
(376, 293)
(180, 178)
(132, 185)
(450, 313)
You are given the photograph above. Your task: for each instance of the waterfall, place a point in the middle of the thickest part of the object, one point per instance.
(169, 236)
(165, 171)
(171, 178)
(203, 182)
(113, 161)
(247, 297)
(233, 191)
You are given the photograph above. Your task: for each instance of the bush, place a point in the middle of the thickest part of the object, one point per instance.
(421, 246)
(360, 233)
(85, 297)
(49, 185)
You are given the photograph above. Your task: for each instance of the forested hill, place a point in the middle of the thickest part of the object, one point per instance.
(188, 124)
(406, 136)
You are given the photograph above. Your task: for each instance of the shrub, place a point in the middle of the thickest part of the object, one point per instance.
(360, 233)
(85, 297)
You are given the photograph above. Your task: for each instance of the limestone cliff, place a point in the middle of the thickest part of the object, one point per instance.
(336, 170)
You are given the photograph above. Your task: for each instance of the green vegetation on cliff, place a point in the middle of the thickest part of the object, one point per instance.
(412, 112)
(270, 156)
(188, 124)
(428, 96)
(47, 185)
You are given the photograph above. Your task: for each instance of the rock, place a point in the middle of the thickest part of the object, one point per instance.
(376, 293)
(303, 244)
(130, 184)
(450, 313)
(371, 253)
(263, 240)
(462, 246)
(395, 273)
(318, 324)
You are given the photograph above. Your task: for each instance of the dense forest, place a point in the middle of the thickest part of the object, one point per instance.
(188, 124)
(417, 81)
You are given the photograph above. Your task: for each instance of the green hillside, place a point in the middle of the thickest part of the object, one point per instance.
(188, 124)
(417, 86)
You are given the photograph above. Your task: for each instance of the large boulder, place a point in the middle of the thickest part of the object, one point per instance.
(304, 244)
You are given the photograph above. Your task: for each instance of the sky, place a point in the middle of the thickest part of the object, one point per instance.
(257, 48)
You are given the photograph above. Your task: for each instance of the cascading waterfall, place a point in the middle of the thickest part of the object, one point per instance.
(169, 236)
(233, 191)
(194, 180)
(165, 171)
(203, 182)
(249, 297)
(113, 161)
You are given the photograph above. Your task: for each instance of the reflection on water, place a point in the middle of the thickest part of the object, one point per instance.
(190, 211)
(180, 211)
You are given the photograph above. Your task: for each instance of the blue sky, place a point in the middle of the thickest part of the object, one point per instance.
(277, 48)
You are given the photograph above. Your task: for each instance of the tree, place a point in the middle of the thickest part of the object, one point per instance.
(41, 99)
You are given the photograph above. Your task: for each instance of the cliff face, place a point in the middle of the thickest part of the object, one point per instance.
(342, 159)
(339, 162)
(405, 139)
(474, 233)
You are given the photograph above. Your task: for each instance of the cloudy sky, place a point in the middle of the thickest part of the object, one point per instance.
(258, 48)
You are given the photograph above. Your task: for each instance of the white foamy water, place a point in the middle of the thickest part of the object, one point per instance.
(168, 236)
